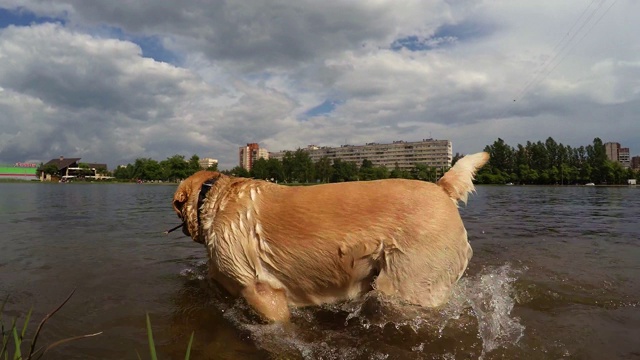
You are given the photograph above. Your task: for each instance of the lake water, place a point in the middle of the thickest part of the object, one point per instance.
(555, 274)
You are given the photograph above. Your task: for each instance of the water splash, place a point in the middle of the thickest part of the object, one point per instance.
(476, 321)
(490, 296)
(196, 271)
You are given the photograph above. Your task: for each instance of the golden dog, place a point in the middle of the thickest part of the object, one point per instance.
(279, 246)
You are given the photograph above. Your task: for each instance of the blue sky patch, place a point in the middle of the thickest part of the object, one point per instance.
(152, 48)
(151, 45)
(414, 43)
(464, 31)
(326, 107)
(445, 35)
(21, 17)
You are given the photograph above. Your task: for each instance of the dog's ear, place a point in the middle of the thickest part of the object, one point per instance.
(180, 197)
(185, 201)
(178, 203)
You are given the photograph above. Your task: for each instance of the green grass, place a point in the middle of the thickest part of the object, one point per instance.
(152, 345)
(15, 345)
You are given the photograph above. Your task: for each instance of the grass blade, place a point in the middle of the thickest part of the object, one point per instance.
(152, 345)
(5, 339)
(17, 355)
(49, 315)
(187, 355)
(26, 322)
(60, 342)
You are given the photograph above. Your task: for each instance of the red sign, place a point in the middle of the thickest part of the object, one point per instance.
(26, 165)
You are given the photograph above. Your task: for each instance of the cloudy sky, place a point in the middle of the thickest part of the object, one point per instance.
(112, 81)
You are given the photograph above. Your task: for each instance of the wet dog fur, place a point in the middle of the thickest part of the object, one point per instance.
(280, 246)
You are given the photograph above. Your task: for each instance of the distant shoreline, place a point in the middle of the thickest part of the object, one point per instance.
(20, 181)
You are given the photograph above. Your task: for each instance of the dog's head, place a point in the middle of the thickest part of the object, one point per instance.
(186, 201)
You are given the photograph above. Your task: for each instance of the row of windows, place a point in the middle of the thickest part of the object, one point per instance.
(405, 155)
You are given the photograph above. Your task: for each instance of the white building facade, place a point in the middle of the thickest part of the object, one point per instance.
(206, 163)
(403, 154)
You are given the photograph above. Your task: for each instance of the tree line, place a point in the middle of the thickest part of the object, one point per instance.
(545, 163)
(550, 163)
(174, 168)
(295, 167)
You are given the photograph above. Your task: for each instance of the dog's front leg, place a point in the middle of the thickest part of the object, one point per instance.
(268, 302)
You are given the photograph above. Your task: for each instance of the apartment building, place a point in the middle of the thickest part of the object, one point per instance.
(616, 153)
(635, 163)
(612, 149)
(250, 153)
(624, 157)
(206, 163)
(404, 154)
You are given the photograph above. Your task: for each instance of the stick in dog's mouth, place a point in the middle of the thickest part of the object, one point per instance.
(174, 229)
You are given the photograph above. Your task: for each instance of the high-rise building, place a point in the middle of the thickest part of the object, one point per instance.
(250, 153)
(612, 149)
(624, 157)
(635, 163)
(206, 163)
(617, 153)
(403, 154)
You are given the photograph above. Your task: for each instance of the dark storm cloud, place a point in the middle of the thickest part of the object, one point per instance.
(257, 33)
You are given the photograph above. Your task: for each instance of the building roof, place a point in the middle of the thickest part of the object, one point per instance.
(97, 166)
(62, 162)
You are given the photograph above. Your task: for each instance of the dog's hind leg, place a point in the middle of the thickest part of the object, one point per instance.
(420, 277)
(268, 302)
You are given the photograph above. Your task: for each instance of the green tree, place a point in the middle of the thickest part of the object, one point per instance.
(193, 165)
(500, 165)
(124, 172)
(288, 166)
(174, 168)
(539, 157)
(380, 172)
(298, 166)
(398, 173)
(238, 171)
(616, 173)
(366, 171)
(344, 171)
(147, 169)
(260, 169)
(501, 156)
(213, 167)
(598, 161)
(275, 169)
(631, 174)
(49, 169)
(324, 170)
(421, 172)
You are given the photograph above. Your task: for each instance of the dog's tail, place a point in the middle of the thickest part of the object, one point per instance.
(458, 181)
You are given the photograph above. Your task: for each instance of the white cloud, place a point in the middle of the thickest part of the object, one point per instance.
(249, 72)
